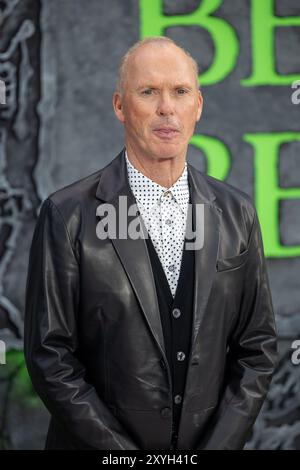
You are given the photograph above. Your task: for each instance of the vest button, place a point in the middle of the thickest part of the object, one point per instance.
(180, 356)
(176, 313)
(177, 399)
(165, 412)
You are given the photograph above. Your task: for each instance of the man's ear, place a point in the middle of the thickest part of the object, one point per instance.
(200, 105)
(118, 106)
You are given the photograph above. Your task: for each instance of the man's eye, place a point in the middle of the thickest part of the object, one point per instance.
(147, 92)
(181, 91)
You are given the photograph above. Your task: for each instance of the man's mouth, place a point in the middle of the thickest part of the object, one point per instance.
(166, 132)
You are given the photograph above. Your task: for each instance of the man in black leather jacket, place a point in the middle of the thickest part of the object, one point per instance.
(141, 343)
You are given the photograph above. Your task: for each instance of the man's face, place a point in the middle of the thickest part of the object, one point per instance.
(161, 102)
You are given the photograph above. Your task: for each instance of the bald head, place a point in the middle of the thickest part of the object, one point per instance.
(149, 46)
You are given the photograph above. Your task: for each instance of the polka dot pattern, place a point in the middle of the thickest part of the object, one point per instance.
(164, 212)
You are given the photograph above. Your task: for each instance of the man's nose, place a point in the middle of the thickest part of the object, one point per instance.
(165, 105)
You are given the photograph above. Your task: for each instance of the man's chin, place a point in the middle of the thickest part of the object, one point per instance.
(161, 150)
(168, 151)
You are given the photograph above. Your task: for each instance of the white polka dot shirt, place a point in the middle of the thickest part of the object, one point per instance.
(164, 212)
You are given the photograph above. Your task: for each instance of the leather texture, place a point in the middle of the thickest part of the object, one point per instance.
(94, 343)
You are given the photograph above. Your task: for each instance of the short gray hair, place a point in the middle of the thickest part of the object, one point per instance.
(149, 40)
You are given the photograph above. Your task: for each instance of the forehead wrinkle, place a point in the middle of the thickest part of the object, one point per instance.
(151, 44)
(156, 79)
(149, 65)
(162, 84)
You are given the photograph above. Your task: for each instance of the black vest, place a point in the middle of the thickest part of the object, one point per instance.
(176, 318)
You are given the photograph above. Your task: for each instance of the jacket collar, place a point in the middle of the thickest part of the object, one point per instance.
(114, 181)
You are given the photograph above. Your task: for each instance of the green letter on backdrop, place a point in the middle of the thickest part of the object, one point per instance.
(263, 24)
(268, 192)
(216, 154)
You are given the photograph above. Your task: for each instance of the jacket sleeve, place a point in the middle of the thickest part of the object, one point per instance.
(252, 356)
(51, 339)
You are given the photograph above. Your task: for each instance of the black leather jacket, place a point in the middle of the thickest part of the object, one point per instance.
(94, 344)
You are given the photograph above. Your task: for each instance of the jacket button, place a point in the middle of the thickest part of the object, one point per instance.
(176, 312)
(165, 412)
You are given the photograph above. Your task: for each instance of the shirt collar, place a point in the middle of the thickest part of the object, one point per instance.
(145, 190)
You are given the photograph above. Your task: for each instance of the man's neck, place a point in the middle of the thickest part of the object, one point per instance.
(163, 172)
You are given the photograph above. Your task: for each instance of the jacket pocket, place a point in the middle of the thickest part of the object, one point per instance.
(233, 262)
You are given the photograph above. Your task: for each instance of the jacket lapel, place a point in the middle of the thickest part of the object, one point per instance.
(206, 257)
(133, 254)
